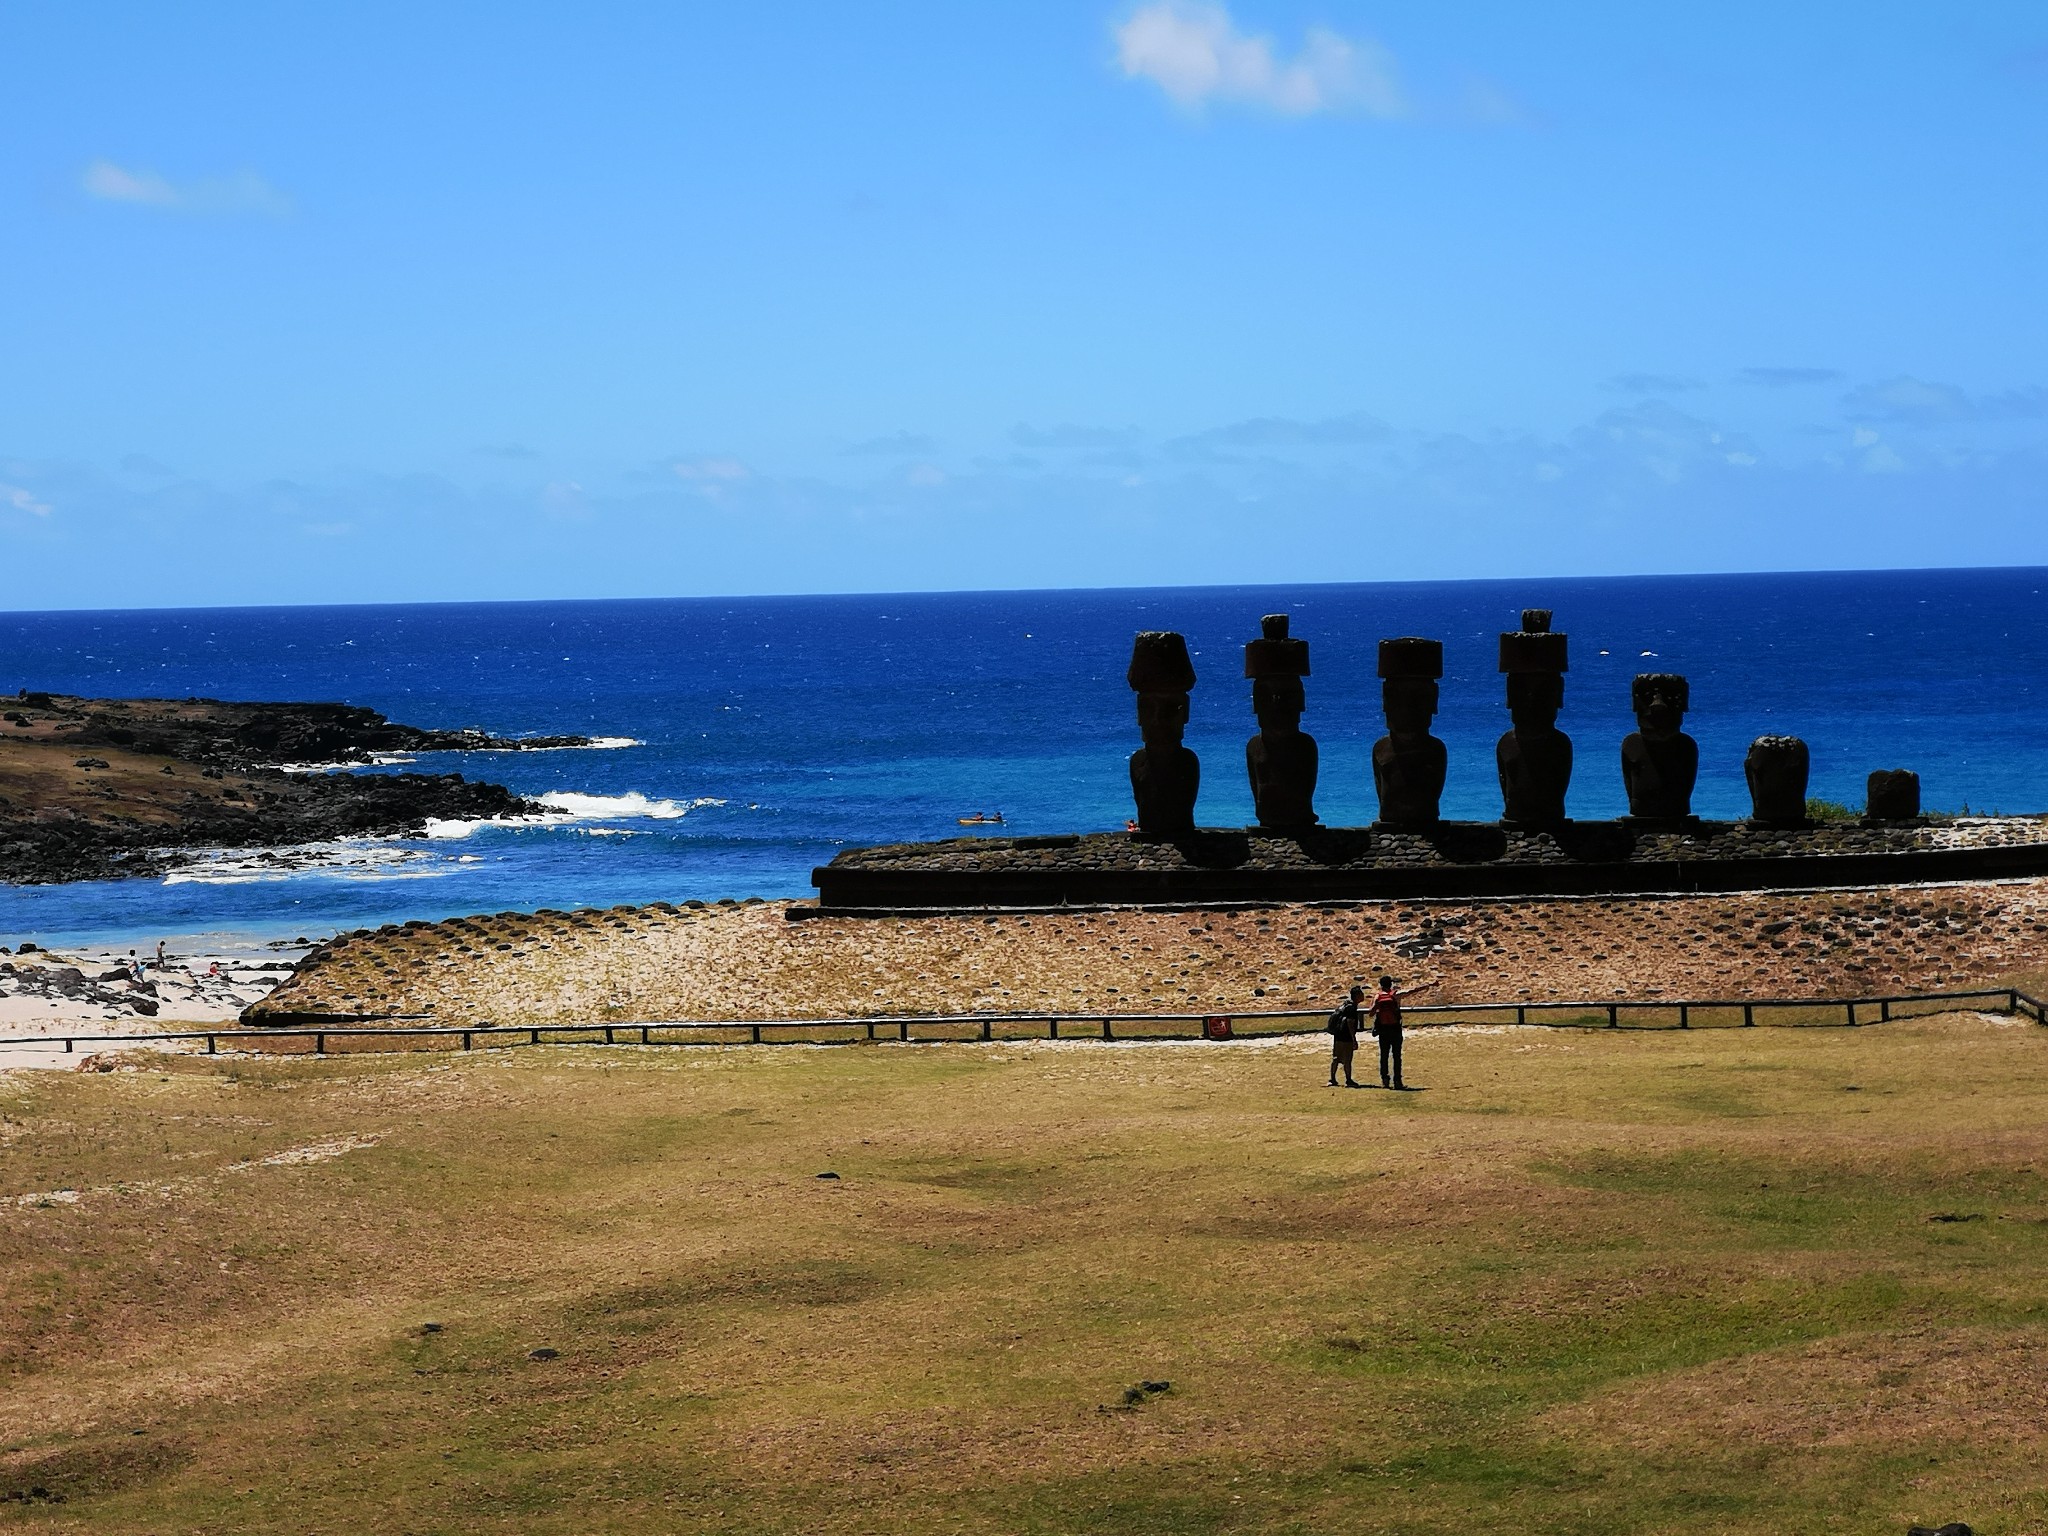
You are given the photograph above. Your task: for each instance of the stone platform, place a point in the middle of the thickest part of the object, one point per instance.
(1454, 859)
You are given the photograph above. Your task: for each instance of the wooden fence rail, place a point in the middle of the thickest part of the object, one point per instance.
(934, 1029)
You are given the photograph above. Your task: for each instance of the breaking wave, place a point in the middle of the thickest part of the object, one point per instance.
(568, 809)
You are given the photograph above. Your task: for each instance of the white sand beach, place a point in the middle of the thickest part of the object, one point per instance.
(90, 992)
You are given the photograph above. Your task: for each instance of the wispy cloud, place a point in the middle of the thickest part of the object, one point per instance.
(711, 477)
(1354, 430)
(1914, 402)
(1651, 383)
(507, 451)
(242, 192)
(1781, 378)
(1070, 436)
(1195, 53)
(709, 469)
(895, 444)
(23, 500)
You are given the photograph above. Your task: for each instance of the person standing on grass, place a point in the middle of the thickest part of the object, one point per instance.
(1386, 1025)
(1344, 1036)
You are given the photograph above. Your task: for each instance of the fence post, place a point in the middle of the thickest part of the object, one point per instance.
(903, 1030)
(212, 1042)
(67, 1047)
(1852, 1013)
(465, 1039)
(1884, 1010)
(536, 1037)
(320, 1043)
(1521, 1014)
(1105, 1029)
(757, 1034)
(1749, 1015)
(1052, 1029)
(984, 1029)
(1613, 1016)
(1684, 1016)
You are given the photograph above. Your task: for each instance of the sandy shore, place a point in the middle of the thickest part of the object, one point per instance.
(750, 961)
(88, 991)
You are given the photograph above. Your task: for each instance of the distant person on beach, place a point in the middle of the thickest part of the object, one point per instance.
(1344, 1036)
(160, 955)
(1386, 1025)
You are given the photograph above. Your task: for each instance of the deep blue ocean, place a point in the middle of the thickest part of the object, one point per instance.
(773, 732)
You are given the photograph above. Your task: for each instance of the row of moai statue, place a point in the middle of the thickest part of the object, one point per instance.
(1659, 762)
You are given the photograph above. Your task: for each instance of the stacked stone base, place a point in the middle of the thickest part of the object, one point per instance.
(1452, 859)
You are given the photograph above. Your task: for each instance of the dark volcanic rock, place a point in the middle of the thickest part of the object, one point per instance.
(180, 775)
(231, 735)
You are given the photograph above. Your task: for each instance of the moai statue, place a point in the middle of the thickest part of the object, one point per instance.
(1777, 767)
(1408, 763)
(1659, 762)
(1535, 758)
(1165, 775)
(1892, 794)
(1281, 759)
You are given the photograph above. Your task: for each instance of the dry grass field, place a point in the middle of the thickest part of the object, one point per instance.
(1730, 1281)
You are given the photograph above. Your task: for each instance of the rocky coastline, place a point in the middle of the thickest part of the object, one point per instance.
(97, 789)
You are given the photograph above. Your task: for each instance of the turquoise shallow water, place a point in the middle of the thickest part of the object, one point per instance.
(772, 732)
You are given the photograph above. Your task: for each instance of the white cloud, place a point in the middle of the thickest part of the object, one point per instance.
(564, 498)
(1908, 401)
(243, 192)
(702, 470)
(1194, 52)
(23, 501)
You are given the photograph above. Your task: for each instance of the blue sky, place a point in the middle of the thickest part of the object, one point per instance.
(404, 302)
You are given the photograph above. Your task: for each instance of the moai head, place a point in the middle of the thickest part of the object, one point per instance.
(1409, 669)
(1535, 661)
(1276, 665)
(1660, 700)
(1162, 674)
(1162, 718)
(1278, 702)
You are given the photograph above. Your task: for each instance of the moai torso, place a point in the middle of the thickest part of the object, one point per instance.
(1777, 768)
(1409, 764)
(1165, 774)
(1659, 762)
(1281, 761)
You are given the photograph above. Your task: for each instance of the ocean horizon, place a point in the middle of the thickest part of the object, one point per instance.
(745, 740)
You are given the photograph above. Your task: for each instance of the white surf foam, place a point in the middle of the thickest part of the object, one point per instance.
(353, 860)
(568, 810)
(631, 806)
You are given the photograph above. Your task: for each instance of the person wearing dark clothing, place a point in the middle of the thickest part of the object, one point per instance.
(1344, 1036)
(1386, 1026)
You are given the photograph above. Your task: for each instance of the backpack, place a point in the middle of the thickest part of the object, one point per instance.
(1336, 1024)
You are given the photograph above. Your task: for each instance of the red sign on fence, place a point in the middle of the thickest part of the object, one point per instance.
(1216, 1029)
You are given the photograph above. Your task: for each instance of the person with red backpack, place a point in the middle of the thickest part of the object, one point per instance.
(1386, 1026)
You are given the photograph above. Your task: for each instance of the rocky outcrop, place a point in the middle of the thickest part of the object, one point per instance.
(232, 735)
(166, 777)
